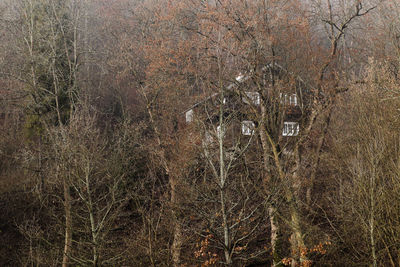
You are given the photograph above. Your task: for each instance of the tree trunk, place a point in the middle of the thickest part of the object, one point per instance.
(92, 219)
(68, 224)
(372, 219)
(296, 240)
(293, 197)
(274, 227)
(222, 178)
(317, 154)
(177, 241)
(276, 258)
(227, 241)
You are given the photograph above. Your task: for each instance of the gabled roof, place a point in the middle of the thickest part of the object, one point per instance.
(244, 77)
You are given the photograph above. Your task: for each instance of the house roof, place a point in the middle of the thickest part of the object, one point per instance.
(244, 77)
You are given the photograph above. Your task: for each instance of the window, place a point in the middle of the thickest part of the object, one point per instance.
(248, 127)
(189, 116)
(293, 100)
(254, 97)
(240, 77)
(288, 99)
(290, 128)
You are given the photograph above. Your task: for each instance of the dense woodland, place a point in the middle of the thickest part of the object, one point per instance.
(99, 168)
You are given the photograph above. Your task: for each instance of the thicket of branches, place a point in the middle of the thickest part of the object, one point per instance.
(99, 168)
